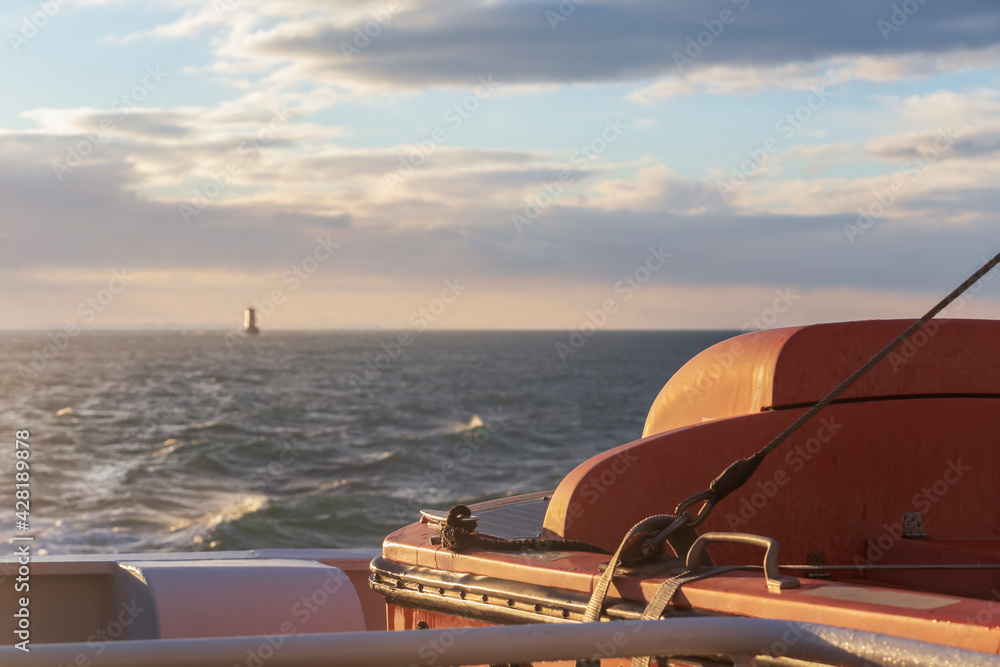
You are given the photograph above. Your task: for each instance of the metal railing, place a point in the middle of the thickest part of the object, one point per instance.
(739, 638)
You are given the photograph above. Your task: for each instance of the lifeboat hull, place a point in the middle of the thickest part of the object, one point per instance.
(885, 507)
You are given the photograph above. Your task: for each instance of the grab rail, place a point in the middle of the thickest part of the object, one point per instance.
(775, 582)
(737, 637)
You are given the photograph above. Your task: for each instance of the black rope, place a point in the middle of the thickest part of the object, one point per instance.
(459, 534)
(739, 472)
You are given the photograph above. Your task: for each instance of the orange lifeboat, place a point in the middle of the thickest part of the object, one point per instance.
(880, 515)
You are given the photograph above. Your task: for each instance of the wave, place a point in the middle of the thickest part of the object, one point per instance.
(207, 526)
(174, 461)
(455, 428)
(336, 484)
(238, 509)
(169, 446)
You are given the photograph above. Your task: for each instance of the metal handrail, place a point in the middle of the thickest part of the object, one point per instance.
(736, 637)
(775, 582)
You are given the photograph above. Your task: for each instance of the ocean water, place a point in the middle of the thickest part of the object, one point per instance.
(190, 441)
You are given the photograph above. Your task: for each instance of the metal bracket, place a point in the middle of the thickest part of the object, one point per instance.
(817, 559)
(775, 582)
(437, 518)
(913, 525)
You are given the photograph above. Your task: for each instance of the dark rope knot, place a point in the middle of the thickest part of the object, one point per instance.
(459, 534)
(459, 530)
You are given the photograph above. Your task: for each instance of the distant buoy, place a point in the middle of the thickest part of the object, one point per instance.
(250, 322)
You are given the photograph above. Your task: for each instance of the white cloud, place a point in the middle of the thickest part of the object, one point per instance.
(727, 79)
(652, 188)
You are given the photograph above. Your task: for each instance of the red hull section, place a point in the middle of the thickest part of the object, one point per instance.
(918, 436)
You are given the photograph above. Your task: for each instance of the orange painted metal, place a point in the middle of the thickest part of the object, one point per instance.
(786, 367)
(963, 622)
(968, 583)
(412, 545)
(924, 441)
(402, 618)
(960, 622)
(849, 475)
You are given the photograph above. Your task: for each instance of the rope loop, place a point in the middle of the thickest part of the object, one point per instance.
(459, 534)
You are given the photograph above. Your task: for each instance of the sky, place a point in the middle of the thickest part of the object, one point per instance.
(499, 164)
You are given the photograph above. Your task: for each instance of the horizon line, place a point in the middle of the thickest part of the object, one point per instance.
(218, 329)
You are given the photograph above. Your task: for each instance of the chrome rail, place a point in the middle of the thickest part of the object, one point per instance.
(739, 638)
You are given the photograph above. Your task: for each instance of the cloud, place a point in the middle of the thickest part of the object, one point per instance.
(453, 212)
(973, 143)
(719, 46)
(232, 194)
(653, 188)
(451, 229)
(192, 23)
(746, 79)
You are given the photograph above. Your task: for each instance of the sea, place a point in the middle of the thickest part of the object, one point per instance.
(207, 440)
